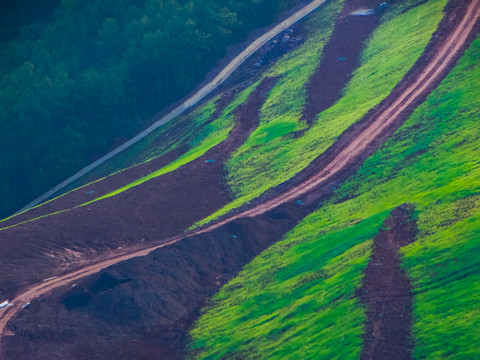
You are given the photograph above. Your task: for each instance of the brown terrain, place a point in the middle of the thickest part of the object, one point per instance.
(142, 308)
(139, 301)
(386, 291)
(456, 31)
(341, 58)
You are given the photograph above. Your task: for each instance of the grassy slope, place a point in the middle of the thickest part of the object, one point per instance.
(217, 131)
(203, 139)
(295, 69)
(143, 151)
(270, 156)
(298, 297)
(198, 138)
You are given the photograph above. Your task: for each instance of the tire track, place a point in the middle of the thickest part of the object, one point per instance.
(347, 156)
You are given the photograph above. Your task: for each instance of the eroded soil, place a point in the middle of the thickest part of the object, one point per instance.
(193, 271)
(341, 57)
(143, 308)
(386, 291)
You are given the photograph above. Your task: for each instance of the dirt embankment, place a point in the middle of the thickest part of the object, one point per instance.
(341, 57)
(158, 209)
(143, 308)
(95, 190)
(386, 291)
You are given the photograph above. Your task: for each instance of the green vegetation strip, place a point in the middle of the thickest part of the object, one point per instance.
(217, 131)
(293, 73)
(297, 299)
(271, 155)
(200, 138)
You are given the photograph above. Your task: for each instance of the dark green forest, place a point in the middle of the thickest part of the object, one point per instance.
(78, 77)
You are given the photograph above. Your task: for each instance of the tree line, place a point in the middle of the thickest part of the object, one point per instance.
(76, 82)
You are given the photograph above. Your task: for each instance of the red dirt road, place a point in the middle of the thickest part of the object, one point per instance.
(436, 69)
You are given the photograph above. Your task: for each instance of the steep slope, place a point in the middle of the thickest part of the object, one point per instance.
(300, 296)
(84, 79)
(72, 237)
(274, 153)
(185, 262)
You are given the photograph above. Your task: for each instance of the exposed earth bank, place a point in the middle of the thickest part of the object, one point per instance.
(386, 291)
(162, 207)
(143, 308)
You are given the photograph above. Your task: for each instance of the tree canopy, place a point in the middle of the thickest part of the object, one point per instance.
(83, 75)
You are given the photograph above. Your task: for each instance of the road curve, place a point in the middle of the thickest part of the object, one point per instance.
(432, 73)
(194, 99)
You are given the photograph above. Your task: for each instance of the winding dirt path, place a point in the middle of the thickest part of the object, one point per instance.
(433, 72)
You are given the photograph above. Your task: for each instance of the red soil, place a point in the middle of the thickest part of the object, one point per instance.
(386, 292)
(143, 308)
(317, 178)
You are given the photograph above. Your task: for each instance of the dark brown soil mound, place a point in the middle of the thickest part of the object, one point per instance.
(143, 308)
(188, 271)
(95, 190)
(341, 57)
(386, 292)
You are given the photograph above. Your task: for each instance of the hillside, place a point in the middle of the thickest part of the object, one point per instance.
(83, 77)
(322, 204)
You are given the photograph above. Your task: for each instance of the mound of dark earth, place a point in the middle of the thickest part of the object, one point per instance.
(143, 308)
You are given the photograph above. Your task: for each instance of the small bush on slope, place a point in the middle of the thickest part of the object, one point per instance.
(270, 156)
(277, 302)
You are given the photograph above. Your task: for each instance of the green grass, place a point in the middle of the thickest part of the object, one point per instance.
(270, 156)
(294, 70)
(172, 135)
(288, 301)
(291, 301)
(144, 151)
